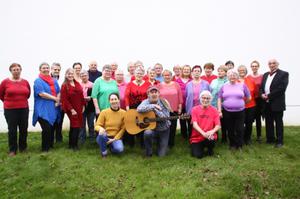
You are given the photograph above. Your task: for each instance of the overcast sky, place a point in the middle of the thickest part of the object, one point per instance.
(170, 32)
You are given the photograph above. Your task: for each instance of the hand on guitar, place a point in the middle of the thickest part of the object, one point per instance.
(157, 107)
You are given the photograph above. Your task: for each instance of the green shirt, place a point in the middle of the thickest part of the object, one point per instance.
(101, 91)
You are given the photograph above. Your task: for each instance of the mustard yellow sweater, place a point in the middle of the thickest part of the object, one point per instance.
(112, 122)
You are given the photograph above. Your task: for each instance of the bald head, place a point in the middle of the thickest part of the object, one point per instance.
(273, 65)
(93, 65)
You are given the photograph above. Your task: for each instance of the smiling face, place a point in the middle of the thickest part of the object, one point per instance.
(167, 76)
(45, 69)
(221, 73)
(196, 73)
(186, 71)
(15, 72)
(93, 66)
(242, 72)
(153, 95)
(119, 76)
(77, 69)
(70, 75)
(177, 70)
(84, 77)
(208, 71)
(205, 100)
(114, 101)
(232, 77)
(158, 69)
(151, 75)
(55, 70)
(107, 73)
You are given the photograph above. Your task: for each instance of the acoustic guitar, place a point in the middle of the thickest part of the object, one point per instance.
(136, 122)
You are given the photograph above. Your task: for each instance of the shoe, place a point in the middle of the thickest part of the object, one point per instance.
(278, 145)
(210, 153)
(12, 154)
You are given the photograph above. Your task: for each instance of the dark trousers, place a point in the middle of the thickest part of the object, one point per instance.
(17, 118)
(235, 124)
(184, 126)
(198, 148)
(258, 115)
(249, 118)
(47, 134)
(58, 128)
(224, 130)
(173, 128)
(130, 139)
(271, 117)
(73, 138)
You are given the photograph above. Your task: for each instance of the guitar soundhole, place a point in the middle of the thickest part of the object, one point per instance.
(143, 124)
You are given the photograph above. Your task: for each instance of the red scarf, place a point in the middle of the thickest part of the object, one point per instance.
(49, 80)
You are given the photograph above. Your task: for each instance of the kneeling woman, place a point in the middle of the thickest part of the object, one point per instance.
(206, 123)
(72, 101)
(110, 125)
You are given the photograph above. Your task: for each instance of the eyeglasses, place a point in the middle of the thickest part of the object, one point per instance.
(205, 98)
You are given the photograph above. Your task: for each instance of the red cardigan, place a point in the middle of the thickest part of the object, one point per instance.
(135, 94)
(72, 98)
(14, 94)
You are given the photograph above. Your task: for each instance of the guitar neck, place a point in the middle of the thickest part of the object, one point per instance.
(163, 118)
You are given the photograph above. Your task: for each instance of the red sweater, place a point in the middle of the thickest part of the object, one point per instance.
(135, 94)
(210, 78)
(14, 94)
(72, 98)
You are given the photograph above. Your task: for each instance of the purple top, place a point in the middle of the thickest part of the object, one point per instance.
(232, 96)
(204, 85)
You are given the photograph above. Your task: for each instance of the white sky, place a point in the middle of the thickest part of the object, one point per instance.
(170, 32)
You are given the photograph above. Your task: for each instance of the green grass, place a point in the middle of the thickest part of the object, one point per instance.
(259, 171)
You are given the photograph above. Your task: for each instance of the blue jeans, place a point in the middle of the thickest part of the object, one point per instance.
(116, 146)
(160, 137)
(88, 118)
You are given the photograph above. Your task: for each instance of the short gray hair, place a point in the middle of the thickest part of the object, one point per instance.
(106, 66)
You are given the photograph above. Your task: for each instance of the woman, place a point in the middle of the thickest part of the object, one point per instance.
(177, 72)
(250, 106)
(15, 92)
(46, 105)
(206, 123)
(136, 92)
(231, 105)
(216, 85)
(89, 110)
(72, 102)
(193, 90)
(77, 69)
(257, 79)
(130, 68)
(151, 76)
(103, 87)
(171, 91)
(110, 125)
(208, 70)
(182, 81)
(119, 76)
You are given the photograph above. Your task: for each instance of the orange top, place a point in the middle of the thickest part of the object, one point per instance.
(251, 86)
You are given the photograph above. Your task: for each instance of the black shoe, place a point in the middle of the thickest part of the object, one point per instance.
(210, 153)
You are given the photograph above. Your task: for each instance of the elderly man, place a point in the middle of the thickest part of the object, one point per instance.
(158, 70)
(161, 109)
(206, 123)
(93, 71)
(272, 90)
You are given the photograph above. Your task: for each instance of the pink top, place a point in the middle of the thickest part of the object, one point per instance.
(196, 94)
(85, 87)
(122, 89)
(182, 85)
(172, 93)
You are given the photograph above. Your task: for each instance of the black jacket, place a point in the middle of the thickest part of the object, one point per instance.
(277, 89)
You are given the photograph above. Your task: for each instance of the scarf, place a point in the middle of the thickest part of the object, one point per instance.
(49, 80)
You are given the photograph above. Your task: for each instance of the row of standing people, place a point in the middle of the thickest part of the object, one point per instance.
(182, 91)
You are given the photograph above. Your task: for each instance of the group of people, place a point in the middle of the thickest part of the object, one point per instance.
(226, 104)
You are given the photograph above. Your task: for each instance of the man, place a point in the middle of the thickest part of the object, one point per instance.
(55, 70)
(272, 90)
(158, 70)
(93, 71)
(161, 133)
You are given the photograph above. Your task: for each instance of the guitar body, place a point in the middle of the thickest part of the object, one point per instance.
(136, 122)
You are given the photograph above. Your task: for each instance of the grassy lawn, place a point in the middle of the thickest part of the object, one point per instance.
(259, 171)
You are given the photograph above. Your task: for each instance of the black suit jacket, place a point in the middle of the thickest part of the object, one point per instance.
(277, 89)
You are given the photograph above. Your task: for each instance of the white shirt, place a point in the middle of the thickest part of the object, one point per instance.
(268, 83)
